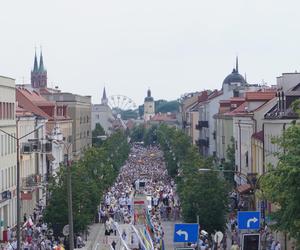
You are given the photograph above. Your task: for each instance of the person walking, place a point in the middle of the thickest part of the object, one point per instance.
(235, 246)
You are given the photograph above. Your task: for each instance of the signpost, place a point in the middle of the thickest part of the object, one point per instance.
(251, 241)
(186, 232)
(249, 220)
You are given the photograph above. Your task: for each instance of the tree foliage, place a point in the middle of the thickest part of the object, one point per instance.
(281, 184)
(90, 176)
(201, 193)
(98, 131)
(137, 133)
(229, 165)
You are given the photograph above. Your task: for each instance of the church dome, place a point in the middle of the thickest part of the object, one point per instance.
(234, 77)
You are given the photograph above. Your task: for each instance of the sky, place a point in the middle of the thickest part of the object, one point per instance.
(170, 46)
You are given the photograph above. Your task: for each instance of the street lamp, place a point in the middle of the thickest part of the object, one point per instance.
(67, 162)
(18, 178)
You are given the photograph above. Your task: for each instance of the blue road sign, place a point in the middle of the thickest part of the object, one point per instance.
(249, 220)
(186, 232)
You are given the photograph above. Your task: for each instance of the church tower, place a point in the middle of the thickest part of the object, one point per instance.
(104, 99)
(38, 74)
(149, 106)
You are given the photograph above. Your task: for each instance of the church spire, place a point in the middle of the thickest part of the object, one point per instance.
(237, 64)
(35, 66)
(41, 67)
(104, 99)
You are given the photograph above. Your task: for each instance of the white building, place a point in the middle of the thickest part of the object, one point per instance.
(149, 106)
(26, 122)
(102, 114)
(8, 155)
(233, 86)
(247, 120)
(287, 81)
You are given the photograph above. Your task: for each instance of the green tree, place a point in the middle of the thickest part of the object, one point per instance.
(98, 131)
(200, 193)
(91, 176)
(281, 183)
(229, 165)
(137, 133)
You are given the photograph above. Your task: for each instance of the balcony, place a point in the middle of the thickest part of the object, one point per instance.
(202, 124)
(31, 181)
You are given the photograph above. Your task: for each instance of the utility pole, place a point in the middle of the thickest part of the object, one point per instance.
(70, 206)
(18, 195)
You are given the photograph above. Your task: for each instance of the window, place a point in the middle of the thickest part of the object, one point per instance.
(8, 144)
(5, 144)
(246, 159)
(97, 117)
(1, 111)
(87, 119)
(223, 139)
(2, 145)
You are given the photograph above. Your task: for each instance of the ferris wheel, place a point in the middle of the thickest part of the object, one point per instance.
(121, 102)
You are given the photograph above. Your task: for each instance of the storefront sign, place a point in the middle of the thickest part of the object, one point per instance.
(26, 196)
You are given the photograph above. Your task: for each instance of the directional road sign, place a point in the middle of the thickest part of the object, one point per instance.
(249, 220)
(186, 232)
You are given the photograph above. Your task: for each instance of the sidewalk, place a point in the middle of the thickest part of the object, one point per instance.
(95, 238)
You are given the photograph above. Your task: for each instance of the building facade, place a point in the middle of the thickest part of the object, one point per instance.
(79, 108)
(26, 122)
(149, 106)
(102, 114)
(8, 155)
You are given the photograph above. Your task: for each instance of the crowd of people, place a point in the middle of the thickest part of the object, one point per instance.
(35, 234)
(143, 175)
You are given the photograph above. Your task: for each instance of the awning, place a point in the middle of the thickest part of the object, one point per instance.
(244, 188)
(50, 157)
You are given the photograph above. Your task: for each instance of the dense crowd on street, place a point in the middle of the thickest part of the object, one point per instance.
(144, 173)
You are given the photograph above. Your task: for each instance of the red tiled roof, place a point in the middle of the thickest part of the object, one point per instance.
(260, 96)
(163, 117)
(240, 109)
(215, 93)
(24, 101)
(36, 98)
(259, 136)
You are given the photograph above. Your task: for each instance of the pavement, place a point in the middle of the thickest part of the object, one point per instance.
(168, 227)
(96, 238)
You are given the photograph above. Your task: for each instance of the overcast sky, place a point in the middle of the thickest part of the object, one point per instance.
(171, 46)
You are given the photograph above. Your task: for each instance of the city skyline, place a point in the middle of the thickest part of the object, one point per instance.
(129, 47)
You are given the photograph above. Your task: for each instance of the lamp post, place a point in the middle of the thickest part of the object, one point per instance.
(18, 178)
(67, 162)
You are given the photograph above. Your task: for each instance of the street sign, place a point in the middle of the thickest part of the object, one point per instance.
(251, 241)
(186, 232)
(249, 220)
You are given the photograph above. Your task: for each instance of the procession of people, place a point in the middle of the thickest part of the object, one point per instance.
(144, 173)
